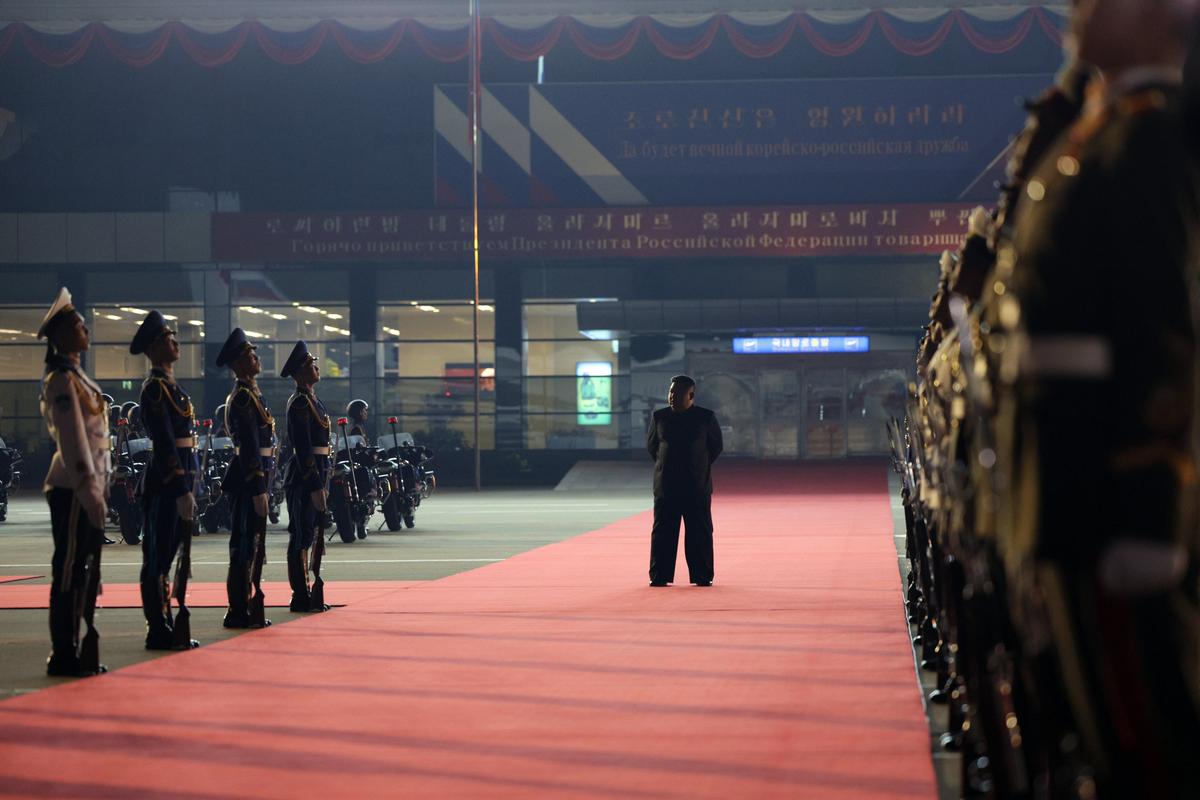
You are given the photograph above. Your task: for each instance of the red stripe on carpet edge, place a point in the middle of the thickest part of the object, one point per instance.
(554, 673)
(15, 578)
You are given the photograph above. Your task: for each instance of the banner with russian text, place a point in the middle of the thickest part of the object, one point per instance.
(556, 234)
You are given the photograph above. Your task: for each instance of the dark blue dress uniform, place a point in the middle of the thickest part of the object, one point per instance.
(683, 444)
(168, 417)
(1099, 425)
(252, 428)
(307, 471)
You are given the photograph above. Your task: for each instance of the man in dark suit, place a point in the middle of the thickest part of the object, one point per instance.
(684, 440)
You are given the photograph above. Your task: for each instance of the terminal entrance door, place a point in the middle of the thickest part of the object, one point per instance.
(823, 413)
(779, 426)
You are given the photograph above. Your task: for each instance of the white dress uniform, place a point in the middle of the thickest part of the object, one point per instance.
(76, 415)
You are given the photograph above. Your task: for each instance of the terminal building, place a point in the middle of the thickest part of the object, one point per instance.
(661, 190)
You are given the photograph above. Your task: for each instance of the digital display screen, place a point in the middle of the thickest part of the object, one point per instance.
(593, 392)
(769, 345)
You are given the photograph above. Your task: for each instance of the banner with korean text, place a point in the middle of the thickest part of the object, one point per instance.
(556, 234)
(862, 140)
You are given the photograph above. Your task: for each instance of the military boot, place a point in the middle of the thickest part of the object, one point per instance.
(237, 588)
(299, 582)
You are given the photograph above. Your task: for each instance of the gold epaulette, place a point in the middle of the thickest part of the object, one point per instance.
(263, 411)
(164, 387)
(90, 401)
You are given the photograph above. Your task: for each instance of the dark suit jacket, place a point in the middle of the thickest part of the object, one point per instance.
(683, 445)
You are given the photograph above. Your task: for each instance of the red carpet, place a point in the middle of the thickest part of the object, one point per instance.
(557, 673)
(200, 595)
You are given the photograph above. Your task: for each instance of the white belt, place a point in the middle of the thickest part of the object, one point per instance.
(320, 451)
(189, 441)
(266, 452)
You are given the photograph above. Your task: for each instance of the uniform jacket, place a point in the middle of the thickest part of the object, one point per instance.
(307, 427)
(252, 429)
(77, 417)
(1104, 245)
(684, 445)
(167, 415)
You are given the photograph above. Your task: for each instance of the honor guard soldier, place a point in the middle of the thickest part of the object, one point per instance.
(168, 496)
(1101, 406)
(252, 428)
(76, 485)
(307, 473)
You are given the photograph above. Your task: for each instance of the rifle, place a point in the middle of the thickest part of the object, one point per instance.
(183, 568)
(316, 592)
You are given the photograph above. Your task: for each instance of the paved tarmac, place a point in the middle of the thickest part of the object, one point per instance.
(455, 531)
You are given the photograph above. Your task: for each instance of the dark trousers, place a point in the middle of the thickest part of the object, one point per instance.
(247, 530)
(302, 518)
(75, 568)
(160, 543)
(302, 531)
(696, 513)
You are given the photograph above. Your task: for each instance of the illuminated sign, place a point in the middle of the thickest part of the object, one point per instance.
(593, 392)
(767, 345)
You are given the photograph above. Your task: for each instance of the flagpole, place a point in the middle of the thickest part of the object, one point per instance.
(476, 103)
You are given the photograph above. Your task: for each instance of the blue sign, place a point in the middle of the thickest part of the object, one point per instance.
(847, 140)
(772, 345)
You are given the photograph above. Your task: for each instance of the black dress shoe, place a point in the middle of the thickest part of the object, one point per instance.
(160, 640)
(240, 621)
(109, 541)
(68, 667)
(703, 583)
(658, 583)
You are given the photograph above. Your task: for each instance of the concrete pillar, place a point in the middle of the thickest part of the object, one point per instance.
(365, 366)
(510, 363)
(218, 322)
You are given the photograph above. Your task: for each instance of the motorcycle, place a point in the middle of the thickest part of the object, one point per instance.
(10, 476)
(212, 506)
(353, 491)
(411, 477)
(131, 455)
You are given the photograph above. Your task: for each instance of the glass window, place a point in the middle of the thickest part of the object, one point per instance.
(113, 327)
(450, 361)
(275, 328)
(874, 396)
(551, 321)
(21, 354)
(435, 319)
(560, 358)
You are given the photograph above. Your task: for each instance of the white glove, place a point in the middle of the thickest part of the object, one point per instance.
(319, 499)
(260, 505)
(185, 504)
